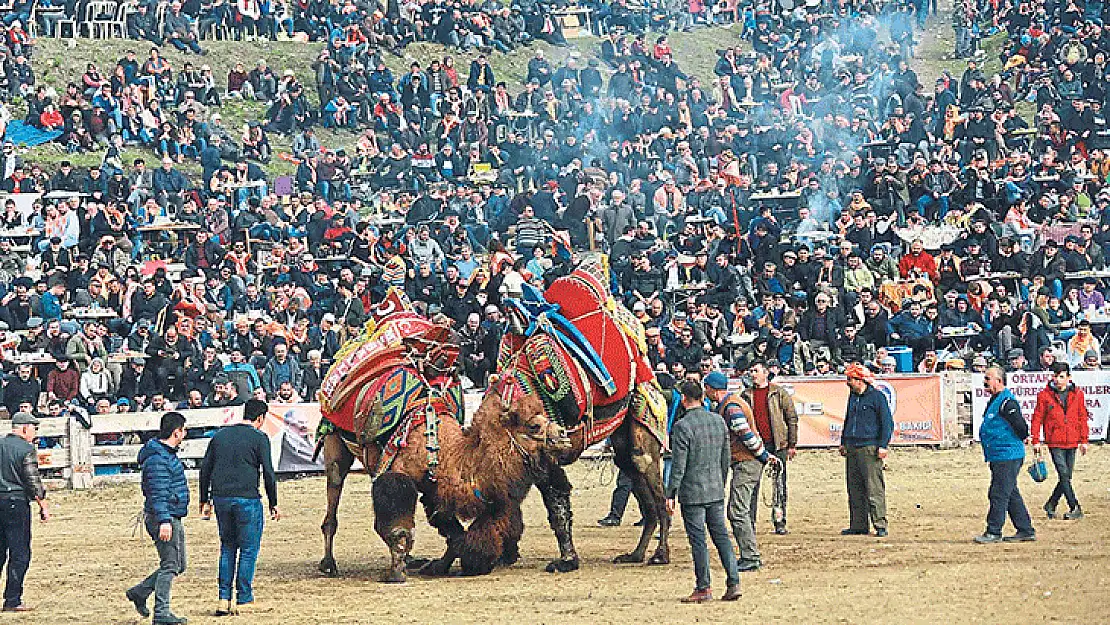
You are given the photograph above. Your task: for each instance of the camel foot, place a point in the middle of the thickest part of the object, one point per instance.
(562, 566)
(328, 567)
(629, 558)
(509, 558)
(393, 577)
(481, 567)
(415, 564)
(435, 568)
(659, 558)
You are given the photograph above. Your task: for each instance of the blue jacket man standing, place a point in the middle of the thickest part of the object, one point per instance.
(868, 427)
(1002, 434)
(167, 501)
(701, 456)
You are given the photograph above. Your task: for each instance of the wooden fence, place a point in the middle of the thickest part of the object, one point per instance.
(108, 451)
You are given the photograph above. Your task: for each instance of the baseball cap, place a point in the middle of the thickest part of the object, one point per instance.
(716, 380)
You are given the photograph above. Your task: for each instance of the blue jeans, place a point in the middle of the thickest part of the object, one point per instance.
(1005, 498)
(1064, 461)
(695, 518)
(240, 522)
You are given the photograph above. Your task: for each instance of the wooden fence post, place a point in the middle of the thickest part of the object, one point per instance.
(80, 456)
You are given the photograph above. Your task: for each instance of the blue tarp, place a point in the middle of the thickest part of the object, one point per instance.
(20, 133)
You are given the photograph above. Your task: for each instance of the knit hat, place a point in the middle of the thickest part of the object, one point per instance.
(859, 372)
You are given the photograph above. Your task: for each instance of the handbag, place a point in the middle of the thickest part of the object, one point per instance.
(1038, 470)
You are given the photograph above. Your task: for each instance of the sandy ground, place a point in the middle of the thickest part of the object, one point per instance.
(927, 571)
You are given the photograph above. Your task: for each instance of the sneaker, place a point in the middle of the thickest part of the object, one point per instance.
(699, 596)
(747, 566)
(988, 539)
(854, 532)
(881, 533)
(1021, 537)
(781, 530)
(732, 594)
(609, 521)
(140, 604)
(1074, 514)
(170, 619)
(1050, 510)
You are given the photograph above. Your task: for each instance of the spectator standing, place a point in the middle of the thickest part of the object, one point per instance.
(167, 502)
(1060, 423)
(19, 484)
(237, 455)
(1002, 434)
(748, 457)
(701, 457)
(868, 426)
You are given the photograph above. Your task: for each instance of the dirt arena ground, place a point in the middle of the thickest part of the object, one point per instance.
(927, 571)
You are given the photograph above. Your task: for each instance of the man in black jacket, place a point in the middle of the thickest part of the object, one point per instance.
(236, 456)
(19, 484)
(21, 389)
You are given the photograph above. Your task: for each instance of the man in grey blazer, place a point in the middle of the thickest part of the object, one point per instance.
(699, 469)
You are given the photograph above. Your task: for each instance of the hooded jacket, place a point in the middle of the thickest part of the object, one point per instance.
(1060, 421)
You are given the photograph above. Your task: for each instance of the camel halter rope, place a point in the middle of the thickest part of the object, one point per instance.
(776, 473)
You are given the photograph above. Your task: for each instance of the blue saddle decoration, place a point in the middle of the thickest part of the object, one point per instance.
(541, 315)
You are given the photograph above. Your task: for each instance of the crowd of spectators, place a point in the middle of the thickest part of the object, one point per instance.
(807, 201)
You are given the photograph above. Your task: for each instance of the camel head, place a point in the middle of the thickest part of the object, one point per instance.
(525, 418)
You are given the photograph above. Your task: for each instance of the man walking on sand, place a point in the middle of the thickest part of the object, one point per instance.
(19, 485)
(1002, 435)
(237, 455)
(1061, 419)
(868, 427)
(699, 444)
(167, 502)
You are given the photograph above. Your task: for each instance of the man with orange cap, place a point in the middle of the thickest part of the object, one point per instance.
(868, 426)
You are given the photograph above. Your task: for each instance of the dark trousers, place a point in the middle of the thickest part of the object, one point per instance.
(866, 488)
(15, 547)
(1006, 499)
(171, 563)
(779, 523)
(696, 517)
(620, 495)
(240, 523)
(1064, 461)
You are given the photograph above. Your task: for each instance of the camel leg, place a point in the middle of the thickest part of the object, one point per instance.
(485, 541)
(337, 462)
(514, 529)
(441, 517)
(555, 488)
(638, 454)
(394, 496)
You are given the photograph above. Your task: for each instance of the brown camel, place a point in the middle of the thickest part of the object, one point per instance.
(483, 475)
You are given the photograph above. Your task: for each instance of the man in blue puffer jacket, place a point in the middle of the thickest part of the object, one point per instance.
(167, 502)
(1003, 435)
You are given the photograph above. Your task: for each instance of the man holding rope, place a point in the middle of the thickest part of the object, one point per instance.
(748, 457)
(776, 423)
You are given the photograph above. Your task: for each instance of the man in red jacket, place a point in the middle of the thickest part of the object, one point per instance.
(919, 261)
(1061, 413)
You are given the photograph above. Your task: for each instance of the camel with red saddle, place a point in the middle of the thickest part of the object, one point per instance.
(393, 402)
(582, 353)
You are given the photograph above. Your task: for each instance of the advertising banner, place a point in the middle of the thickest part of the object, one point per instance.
(1026, 385)
(820, 402)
